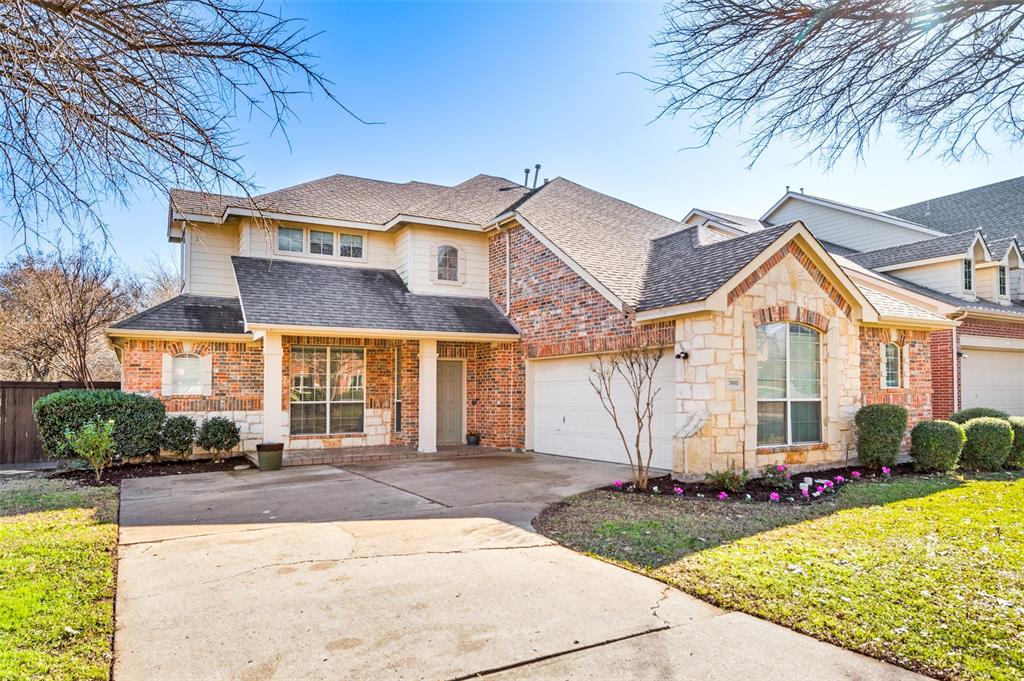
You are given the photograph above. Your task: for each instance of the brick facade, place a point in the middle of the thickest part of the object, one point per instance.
(916, 391)
(941, 352)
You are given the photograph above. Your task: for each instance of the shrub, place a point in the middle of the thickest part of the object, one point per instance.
(965, 415)
(989, 441)
(1016, 458)
(936, 445)
(730, 480)
(178, 435)
(218, 435)
(93, 442)
(137, 419)
(776, 475)
(880, 430)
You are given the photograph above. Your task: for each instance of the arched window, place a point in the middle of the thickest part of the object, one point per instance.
(447, 263)
(893, 366)
(788, 384)
(187, 374)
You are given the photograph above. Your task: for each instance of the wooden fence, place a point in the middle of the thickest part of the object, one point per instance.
(19, 438)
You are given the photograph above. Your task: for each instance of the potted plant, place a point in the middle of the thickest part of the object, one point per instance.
(472, 438)
(268, 455)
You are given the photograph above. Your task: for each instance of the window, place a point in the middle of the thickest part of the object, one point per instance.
(1002, 280)
(350, 246)
(289, 239)
(968, 275)
(788, 384)
(447, 263)
(327, 390)
(321, 243)
(892, 367)
(186, 374)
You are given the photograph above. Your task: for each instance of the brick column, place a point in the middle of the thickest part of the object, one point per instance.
(273, 424)
(428, 397)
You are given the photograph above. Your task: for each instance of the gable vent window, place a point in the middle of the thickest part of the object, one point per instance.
(1002, 281)
(447, 263)
(968, 275)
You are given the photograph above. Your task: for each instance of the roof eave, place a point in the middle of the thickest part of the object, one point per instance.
(881, 217)
(353, 332)
(115, 332)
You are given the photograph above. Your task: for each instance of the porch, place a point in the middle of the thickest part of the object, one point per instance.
(337, 456)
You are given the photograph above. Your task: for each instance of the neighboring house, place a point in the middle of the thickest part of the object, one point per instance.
(961, 250)
(346, 312)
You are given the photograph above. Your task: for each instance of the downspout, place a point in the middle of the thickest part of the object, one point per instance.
(508, 272)
(956, 362)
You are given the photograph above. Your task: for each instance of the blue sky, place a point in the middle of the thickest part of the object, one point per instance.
(465, 88)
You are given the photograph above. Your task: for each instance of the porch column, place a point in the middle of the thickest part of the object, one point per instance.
(428, 397)
(273, 424)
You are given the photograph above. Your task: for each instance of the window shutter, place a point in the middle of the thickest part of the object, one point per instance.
(906, 365)
(881, 360)
(166, 374)
(207, 374)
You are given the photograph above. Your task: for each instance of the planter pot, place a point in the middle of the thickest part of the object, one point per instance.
(268, 455)
(472, 439)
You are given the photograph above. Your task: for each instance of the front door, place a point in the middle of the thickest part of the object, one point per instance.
(449, 402)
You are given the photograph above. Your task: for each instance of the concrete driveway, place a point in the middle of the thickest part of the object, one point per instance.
(422, 570)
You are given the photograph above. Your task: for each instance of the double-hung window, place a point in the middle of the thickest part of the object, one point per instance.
(893, 365)
(968, 274)
(290, 239)
(327, 390)
(788, 384)
(186, 374)
(1002, 281)
(350, 246)
(321, 243)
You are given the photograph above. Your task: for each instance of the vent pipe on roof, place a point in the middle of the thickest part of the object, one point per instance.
(536, 175)
(787, 188)
(801, 190)
(526, 182)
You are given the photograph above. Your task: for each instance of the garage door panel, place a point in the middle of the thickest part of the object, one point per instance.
(568, 418)
(993, 378)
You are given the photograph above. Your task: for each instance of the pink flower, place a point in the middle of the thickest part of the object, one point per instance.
(840, 479)
(855, 475)
(722, 496)
(886, 471)
(618, 484)
(781, 467)
(806, 492)
(774, 496)
(677, 490)
(828, 483)
(819, 489)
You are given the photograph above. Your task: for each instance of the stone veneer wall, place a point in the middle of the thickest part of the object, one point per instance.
(916, 394)
(719, 378)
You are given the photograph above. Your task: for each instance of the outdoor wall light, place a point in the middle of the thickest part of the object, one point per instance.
(683, 355)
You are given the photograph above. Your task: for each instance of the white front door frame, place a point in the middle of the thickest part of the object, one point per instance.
(427, 407)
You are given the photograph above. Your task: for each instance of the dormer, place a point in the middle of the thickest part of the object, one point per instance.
(999, 279)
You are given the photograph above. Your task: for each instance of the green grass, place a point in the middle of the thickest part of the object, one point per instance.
(57, 543)
(926, 572)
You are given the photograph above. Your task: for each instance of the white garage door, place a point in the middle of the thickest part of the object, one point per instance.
(568, 418)
(993, 378)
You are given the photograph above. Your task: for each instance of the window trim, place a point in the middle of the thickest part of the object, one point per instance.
(787, 400)
(307, 253)
(967, 275)
(327, 401)
(435, 249)
(885, 365)
(1002, 281)
(199, 376)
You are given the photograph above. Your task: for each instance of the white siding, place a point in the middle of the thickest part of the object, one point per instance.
(403, 249)
(985, 283)
(208, 252)
(472, 256)
(845, 228)
(946, 277)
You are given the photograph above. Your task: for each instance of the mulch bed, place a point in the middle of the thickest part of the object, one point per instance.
(758, 490)
(114, 475)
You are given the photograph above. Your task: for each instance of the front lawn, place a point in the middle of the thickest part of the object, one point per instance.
(57, 543)
(925, 572)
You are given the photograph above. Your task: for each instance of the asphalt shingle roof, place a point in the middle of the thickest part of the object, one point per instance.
(936, 247)
(281, 292)
(475, 201)
(737, 221)
(887, 306)
(189, 313)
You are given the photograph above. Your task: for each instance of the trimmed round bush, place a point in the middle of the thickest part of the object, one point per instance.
(989, 441)
(218, 435)
(880, 430)
(137, 419)
(936, 445)
(178, 434)
(965, 415)
(1016, 458)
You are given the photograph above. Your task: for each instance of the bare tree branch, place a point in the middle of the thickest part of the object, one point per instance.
(829, 75)
(101, 97)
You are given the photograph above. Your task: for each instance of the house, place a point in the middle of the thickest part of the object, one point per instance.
(352, 312)
(960, 250)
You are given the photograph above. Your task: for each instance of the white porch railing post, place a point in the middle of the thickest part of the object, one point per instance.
(428, 397)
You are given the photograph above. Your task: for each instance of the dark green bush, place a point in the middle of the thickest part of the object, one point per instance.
(989, 441)
(218, 435)
(137, 419)
(936, 445)
(965, 415)
(178, 434)
(1016, 458)
(880, 430)
(730, 480)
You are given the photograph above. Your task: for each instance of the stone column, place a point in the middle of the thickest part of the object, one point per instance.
(273, 424)
(428, 397)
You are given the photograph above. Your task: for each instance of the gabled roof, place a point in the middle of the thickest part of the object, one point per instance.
(939, 247)
(188, 314)
(475, 201)
(890, 307)
(281, 293)
(737, 222)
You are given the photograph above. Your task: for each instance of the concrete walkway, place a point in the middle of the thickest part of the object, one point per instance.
(420, 570)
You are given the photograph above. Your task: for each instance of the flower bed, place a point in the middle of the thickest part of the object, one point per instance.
(777, 485)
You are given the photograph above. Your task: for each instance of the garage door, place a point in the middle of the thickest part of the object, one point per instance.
(568, 418)
(993, 378)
